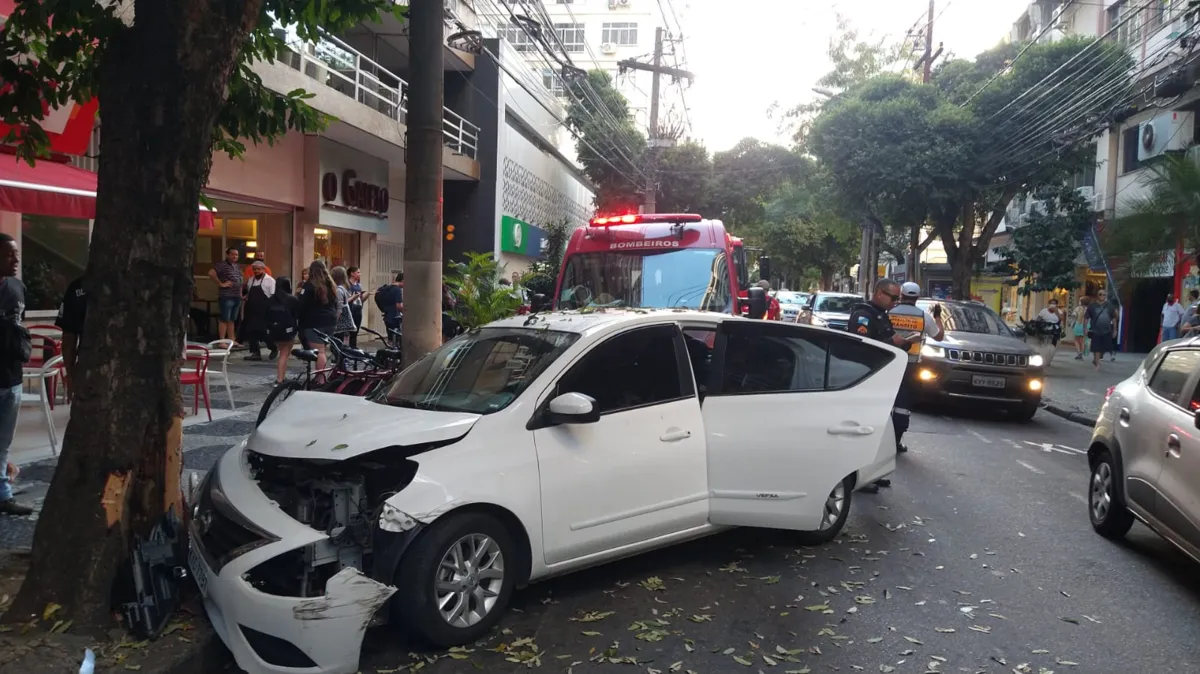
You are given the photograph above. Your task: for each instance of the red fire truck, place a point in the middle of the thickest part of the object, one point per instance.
(661, 260)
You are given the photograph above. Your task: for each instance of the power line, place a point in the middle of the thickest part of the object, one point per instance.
(1045, 29)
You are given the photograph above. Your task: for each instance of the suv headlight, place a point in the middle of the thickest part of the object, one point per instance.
(931, 351)
(818, 321)
(1036, 361)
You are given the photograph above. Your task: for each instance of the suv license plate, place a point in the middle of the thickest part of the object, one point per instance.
(988, 382)
(196, 564)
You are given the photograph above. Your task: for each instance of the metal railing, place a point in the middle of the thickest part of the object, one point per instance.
(342, 68)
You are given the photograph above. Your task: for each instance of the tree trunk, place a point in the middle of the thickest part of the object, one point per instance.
(163, 82)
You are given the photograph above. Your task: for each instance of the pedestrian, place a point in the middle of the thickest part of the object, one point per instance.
(71, 313)
(1051, 319)
(1101, 320)
(303, 279)
(1173, 314)
(259, 291)
(345, 323)
(911, 321)
(318, 310)
(228, 277)
(357, 295)
(283, 313)
(389, 299)
(1079, 326)
(258, 257)
(16, 348)
(870, 319)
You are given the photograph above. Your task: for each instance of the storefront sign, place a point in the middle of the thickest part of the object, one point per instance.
(355, 194)
(520, 237)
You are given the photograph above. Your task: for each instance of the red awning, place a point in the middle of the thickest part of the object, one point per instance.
(54, 189)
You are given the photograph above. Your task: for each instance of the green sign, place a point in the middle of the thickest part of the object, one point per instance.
(515, 236)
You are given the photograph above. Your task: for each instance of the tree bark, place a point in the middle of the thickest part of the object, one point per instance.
(162, 82)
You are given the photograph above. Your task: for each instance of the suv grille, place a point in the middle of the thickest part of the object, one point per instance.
(987, 358)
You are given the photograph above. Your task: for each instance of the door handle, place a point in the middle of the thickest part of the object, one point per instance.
(1173, 445)
(851, 430)
(675, 436)
(1123, 415)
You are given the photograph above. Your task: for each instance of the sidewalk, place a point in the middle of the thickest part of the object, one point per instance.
(1075, 390)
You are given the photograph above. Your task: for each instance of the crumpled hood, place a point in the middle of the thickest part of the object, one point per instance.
(330, 426)
(978, 342)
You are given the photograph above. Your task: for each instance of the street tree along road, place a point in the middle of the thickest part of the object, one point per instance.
(902, 152)
(175, 83)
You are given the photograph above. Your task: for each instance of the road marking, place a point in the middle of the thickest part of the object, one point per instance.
(1014, 443)
(1077, 451)
(1079, 497)
(1030, 467)
(1048, 447)
(947, 418)
(1083, 390)
(980, 436)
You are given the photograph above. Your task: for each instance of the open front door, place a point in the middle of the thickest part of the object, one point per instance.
(791, 411)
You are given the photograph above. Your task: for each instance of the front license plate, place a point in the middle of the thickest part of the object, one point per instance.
(988, 382)
(199, 571)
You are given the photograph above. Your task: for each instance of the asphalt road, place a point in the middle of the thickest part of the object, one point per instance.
(979, 559)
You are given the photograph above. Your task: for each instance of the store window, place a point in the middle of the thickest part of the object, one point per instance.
(54, 252)
(336, 247)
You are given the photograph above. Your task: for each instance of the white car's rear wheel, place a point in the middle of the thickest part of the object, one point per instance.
(833, 514)
(454, 584)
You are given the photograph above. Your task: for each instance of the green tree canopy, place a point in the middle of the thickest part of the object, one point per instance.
(746, 176)
(609, 146)
(1164, 215)
(1044, 249)
(684, 178)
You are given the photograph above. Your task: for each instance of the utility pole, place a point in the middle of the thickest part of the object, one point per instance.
(654, 142)
(423, 182)
(913, 263)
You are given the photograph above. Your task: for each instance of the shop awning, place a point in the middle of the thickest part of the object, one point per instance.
(55, 189)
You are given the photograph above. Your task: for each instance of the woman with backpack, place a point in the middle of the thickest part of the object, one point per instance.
(283, 310)
(318, 310)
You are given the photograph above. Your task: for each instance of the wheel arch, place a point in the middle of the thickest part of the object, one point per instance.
(510, 521)
(1110, 445)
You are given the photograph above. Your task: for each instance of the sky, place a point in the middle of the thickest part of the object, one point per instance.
(749, 54)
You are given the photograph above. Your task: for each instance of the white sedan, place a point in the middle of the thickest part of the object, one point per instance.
(529, 448)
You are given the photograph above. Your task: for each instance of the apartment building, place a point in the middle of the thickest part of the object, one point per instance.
(337, 196)
(598, 34)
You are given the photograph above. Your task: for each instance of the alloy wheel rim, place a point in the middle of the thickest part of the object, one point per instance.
(1101, 491)
(468, 580)
(834, 503)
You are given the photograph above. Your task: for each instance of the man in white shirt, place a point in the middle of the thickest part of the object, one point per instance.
(1172, 316)
(258, 291)
(1052, 317)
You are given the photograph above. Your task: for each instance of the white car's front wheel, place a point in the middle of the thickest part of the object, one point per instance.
(454, 584)
(833, 514)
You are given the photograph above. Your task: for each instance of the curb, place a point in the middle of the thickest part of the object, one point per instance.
(1070, 415)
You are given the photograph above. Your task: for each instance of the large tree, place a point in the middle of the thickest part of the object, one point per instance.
(746, 176)
(608, 144)
(1044, 249)
(175, 82)
(684, 178)
(955, 152)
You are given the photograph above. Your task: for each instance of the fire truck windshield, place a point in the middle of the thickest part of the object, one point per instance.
(692, 278)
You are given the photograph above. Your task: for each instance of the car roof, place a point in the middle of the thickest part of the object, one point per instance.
(961, 303)
(589, 321)
(830, 293)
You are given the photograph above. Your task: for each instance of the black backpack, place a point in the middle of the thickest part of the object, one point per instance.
(381, 296)
(280, 320)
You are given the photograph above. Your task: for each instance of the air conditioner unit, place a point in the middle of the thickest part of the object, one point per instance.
(1087, 192)
(1164, 133)
(1098, 201)
(608, 48)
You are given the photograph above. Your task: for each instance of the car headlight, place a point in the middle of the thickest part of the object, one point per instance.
(1036, 361)
(931, 351)
(818, 321)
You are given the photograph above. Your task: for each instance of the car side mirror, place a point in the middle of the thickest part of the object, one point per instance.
(572, 408)
(755, 304)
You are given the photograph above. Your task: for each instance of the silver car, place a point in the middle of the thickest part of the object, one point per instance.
(790, 302)
(1145, 451)
(828, 310)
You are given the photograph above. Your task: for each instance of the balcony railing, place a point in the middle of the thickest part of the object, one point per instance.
(339, 66)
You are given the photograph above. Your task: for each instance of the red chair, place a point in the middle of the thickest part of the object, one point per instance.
(195, 374)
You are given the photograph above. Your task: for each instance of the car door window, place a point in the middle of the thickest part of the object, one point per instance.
(633, 369)
(772, 364)
(699, 343)
(1173, 374)
(852, 360)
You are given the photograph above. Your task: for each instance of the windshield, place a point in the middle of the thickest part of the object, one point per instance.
(692, 278)
(791, 298)
(837, 304)
(970, 318)
(479, 372)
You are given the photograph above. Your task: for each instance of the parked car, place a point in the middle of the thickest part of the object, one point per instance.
(829, 310)
(1144, 457)
(526, 449)
(979, 359)
(790, 302)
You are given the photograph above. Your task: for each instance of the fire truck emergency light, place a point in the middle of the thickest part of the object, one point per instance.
(636, 219)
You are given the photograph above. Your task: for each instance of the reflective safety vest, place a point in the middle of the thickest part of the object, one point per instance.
(909, 319)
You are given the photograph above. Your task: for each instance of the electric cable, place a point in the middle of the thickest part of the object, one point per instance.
(1008, 68)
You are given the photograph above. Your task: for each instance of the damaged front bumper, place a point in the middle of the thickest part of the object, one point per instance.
(269, 633)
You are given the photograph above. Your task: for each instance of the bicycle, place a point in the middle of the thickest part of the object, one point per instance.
(338, 378)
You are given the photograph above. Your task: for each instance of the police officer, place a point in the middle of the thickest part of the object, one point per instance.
(911, 321)
(870, 319)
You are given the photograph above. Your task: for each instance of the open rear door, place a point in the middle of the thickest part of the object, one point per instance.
(791, 411)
